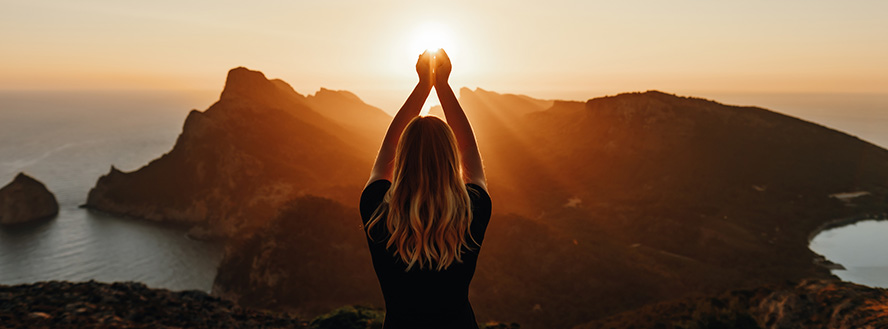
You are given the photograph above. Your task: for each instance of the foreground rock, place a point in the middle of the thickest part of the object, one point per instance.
(91, 304)
(811, 304)
(26, 199)
(125, 305)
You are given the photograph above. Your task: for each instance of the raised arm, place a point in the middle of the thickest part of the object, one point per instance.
(383, 167)
(459, 123)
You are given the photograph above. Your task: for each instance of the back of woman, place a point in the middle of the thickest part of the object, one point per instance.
(425, 209)
(437, 299)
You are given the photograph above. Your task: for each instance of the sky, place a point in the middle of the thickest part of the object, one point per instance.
(545, 49)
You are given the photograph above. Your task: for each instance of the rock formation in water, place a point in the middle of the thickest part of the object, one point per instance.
(235, 164)
(811, 304)
(26, 199)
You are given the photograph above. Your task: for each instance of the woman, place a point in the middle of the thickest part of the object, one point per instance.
(425, 209)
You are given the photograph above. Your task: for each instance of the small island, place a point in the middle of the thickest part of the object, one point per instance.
(26, 200)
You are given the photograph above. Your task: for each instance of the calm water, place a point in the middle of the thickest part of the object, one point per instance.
(860, 248)
(68, 139)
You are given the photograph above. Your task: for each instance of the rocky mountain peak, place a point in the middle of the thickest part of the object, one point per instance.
(243, 81)
(22, 178)
(245, 84)
(342, 95)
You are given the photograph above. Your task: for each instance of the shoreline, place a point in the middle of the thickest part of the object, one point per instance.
(821, 260)
(844, 221)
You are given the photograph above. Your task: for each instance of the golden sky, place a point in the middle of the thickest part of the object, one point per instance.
(546, 49)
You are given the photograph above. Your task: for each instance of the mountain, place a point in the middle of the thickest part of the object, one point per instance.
(645, 197)
(572, 243)
(600, 207)
(350, 112)
(236, 163)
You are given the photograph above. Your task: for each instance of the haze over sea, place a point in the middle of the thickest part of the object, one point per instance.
(67, 139)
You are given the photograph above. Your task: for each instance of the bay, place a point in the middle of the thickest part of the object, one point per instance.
(68, 139)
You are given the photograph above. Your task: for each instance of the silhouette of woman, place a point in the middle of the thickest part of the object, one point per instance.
(426, 207)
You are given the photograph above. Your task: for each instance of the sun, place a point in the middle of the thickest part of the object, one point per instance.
(431, 36)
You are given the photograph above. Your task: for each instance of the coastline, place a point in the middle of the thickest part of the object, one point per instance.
(839, 222)
(821, 260)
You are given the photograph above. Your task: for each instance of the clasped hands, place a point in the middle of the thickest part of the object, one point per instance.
(433, 67)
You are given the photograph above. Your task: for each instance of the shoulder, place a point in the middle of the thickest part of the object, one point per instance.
(480, 198)
(477, 191)
(375, 190)
(481, 209)
(379, 184)
(372, 196)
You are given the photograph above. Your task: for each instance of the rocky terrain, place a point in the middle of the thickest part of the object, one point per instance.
(600, 206)
(816, 304)
(812, 304)
(91, 304)
(26, 199)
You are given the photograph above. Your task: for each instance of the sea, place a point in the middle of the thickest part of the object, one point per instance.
(68, 139)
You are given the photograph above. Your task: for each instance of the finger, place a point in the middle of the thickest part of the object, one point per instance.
(443, 53)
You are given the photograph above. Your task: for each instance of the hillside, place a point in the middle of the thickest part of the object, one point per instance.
(647, 197)
(600, 206)
(708, 209)
(236, 163)
(310, 259)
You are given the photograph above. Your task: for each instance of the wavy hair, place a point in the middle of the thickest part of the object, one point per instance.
(427, 210)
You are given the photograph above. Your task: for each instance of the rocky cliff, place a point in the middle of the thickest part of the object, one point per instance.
(609, 205)
(600, 206)
(236, 163)
(26, 199)
(626, 200)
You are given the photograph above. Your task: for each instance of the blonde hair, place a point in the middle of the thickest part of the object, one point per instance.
(427, 209)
